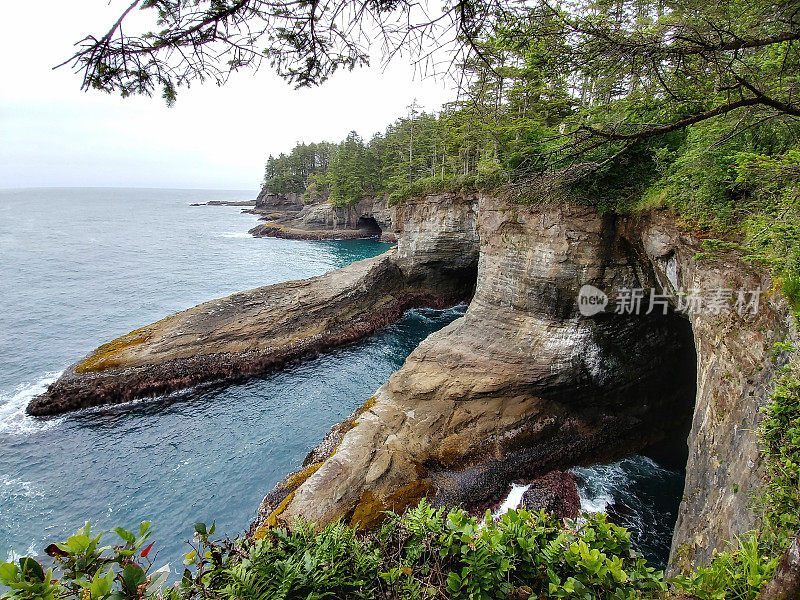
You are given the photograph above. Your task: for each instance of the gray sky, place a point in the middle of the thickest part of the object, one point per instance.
(52, 134)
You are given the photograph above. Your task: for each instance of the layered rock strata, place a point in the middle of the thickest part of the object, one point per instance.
(524, 384)
(520, 386)
(288, 217)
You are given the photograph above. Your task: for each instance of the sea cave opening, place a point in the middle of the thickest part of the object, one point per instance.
(643, 490)
(369, 226)
(651, 379)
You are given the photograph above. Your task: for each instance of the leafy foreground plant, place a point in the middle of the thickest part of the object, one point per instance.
(433, 553)
(90, 571)
(428, 553)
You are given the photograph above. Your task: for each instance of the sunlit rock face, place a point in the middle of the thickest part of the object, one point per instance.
(264, 328)
(523, 383)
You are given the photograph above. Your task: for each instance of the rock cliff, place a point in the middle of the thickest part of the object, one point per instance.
(736, 367)
(525, 383)
(288, 217)
(264, 328)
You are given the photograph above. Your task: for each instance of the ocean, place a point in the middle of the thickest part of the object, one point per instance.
(79, 267)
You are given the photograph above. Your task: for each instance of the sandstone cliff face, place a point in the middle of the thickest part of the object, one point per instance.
(288, 217)
(443, 229)
(524, 384)
(326, 216)
(736, 367)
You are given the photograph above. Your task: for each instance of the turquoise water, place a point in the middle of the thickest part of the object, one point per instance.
(79, 267)
(82, 266)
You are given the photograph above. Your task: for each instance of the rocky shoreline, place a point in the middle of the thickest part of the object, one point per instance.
(225, 203)
(521, 386)
(272, 229)
(247, 333)
(288, 216)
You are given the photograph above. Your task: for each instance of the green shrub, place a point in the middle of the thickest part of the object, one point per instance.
(425, 553)
(735, 575)
(780, 436)
(89, 571)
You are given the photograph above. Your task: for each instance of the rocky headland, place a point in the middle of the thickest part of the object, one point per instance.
(287, 216)
(522, 385)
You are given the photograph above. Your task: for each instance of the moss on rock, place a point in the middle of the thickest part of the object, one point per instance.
(107, 355)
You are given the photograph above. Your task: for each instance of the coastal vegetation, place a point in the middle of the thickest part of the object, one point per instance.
(625, 105)
(433, 553)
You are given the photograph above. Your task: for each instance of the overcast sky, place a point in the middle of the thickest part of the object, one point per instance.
(52, 134)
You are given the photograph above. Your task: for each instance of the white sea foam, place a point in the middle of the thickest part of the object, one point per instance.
(597, 484)
(235, 234)
(14, 556)
(13, 418)
(512, 501)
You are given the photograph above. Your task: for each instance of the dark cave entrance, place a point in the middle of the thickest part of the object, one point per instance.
(369, 226)
(681, 369)
(633, 390)
(643, 491)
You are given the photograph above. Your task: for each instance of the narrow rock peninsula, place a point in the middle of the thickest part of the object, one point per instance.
(264, 328)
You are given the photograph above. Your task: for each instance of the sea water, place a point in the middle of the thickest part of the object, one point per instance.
(79, 267)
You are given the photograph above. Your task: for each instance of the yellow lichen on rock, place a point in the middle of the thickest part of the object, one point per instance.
(350, 424)
(107, 355)
(272, 520)
(299, 478)
(370, 510)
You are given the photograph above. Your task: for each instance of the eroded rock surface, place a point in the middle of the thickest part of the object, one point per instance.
(521, 385)
(524, 384)
(736, 368)
(288, 217)
(264, 328)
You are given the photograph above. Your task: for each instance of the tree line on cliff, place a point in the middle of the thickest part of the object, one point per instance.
(624, 104)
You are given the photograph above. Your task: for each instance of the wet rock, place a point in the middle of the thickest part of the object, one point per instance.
(555, 493)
